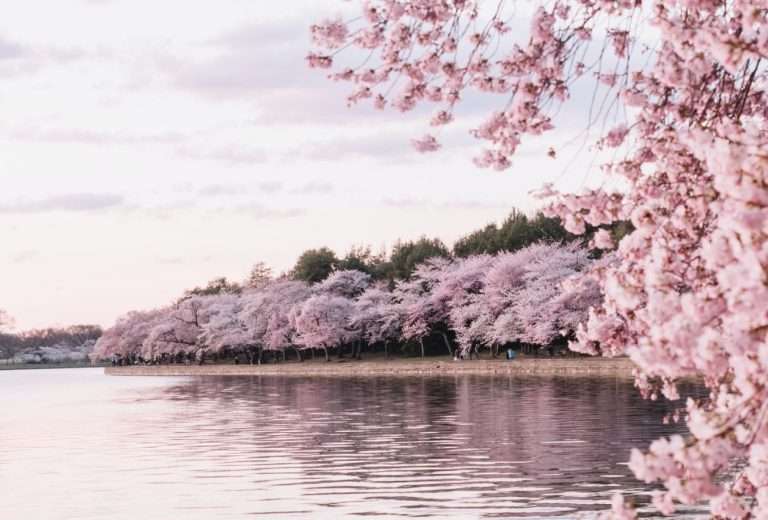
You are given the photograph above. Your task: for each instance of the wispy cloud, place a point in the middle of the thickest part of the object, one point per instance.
(10, 50)
(245, 60)
(259, 35)
(74, 202)
(221, 190)
(313, 188)
(22, 257)
(408, 202)
(241, 155)
(74, 135)
(216, 190)
(389, 147)
(270, 186)
(259, 212)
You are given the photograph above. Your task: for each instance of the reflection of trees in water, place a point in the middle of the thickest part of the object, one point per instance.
(494, 436)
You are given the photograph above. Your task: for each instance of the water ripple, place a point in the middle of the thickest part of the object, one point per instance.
(79, 445)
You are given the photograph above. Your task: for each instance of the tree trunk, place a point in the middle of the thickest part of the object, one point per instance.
(298, 354)
(326, 354)
(421, 343)
(447, 343)
(386, 350)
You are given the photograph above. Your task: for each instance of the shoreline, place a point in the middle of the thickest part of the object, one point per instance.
(571, 367)
(46, 366)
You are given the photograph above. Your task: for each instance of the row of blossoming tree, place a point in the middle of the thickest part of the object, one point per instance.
(530, 296)
(688, 293)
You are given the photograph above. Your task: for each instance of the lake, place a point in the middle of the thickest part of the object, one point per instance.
(76, 444)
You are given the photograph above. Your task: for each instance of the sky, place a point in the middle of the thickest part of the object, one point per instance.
(147, 147)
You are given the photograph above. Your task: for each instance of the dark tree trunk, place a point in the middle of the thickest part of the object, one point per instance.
(447, 343)
(421, 344)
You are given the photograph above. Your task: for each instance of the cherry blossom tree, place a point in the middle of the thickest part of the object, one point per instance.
(268, 316)
(377, 317)
(542, 310)
(456, 295)
(126, 338)
(348, 283)
(687, 293)
(179, 328)
(424, 314)
(504, 281)
(255, 313)
(281, 328)
(323, 321)
(224, 328)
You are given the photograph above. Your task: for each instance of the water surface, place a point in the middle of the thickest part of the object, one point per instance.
(75, 444)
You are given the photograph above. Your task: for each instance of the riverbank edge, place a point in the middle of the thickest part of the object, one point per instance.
(571, 367)
(47, 366)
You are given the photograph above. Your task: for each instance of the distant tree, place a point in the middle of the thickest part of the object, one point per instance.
(9, 344)
(314, 265)
(360, 258)
(6, 321)
(74, 336)
(516, 232)
(407, 255)
(215, 286)
(79, 334)
(260, 275)
(484, 240)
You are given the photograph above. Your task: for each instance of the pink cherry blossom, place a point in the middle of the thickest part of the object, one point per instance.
(427, 143)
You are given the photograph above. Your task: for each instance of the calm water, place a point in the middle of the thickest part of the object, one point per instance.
(75, 444)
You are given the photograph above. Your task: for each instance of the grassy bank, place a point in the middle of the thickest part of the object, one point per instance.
(394, 367)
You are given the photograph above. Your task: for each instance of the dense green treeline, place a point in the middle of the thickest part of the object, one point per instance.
(517, 231)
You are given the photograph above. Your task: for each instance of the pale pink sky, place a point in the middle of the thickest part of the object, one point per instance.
(146, 147)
